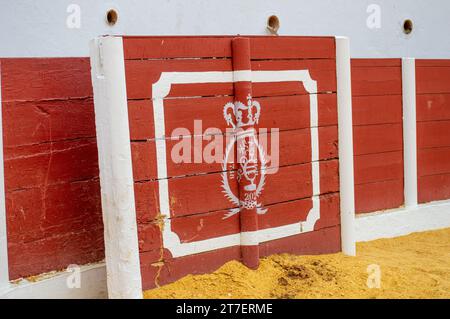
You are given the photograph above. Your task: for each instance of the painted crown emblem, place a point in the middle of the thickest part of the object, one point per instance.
(245, 115)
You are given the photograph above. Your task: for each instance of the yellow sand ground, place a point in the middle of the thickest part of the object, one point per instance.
(413, 266)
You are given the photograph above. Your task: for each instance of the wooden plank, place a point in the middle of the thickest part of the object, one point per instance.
(433, 62)
(33, 122)
(203, 193)
(276, 112)
(377, 138)
(433, 187)
(326, 240)
(209, 225)
(378, 167)
(370, 80)
(38, 213)
(377, 196)
(55, 252)
(381, 109)
(31, 79)
(323, 241)
(141, 74)
(262, 47)
(294, 147)
(432, 79)
(176, 47)
(433, 161)
(41, 165)
(287, 47)
(171, 269)
(355, 63)
(432, 107)
(433, 134)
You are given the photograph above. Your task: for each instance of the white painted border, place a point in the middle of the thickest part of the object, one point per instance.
(403, 221)
(162, 88)
(116, 173)
(409, 131)
(4, 273)
(92, 285)
(345, 135)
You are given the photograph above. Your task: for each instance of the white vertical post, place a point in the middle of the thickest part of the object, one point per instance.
(4, 274)
(345, 135)
(409, 131)
(116, 176)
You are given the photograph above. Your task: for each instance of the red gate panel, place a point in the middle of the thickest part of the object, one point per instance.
(190, 211)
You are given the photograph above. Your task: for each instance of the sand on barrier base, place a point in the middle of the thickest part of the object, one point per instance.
(412, 266)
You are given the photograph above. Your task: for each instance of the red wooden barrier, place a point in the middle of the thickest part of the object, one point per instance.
(199, 206)
(377, 134)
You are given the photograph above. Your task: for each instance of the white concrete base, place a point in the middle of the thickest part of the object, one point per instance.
(93, 286)
(403, 221)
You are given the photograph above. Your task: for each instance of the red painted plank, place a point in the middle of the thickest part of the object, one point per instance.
(433, 187)
(378, 167)
(433, 161)
(141, 74)
(197, 227)
(203, 193)
(375, 80)
(34, 79)
(294, 147)
(292, 47)
(181, 113)
(34, 122)
(381, 109)
(41, 165)
(172, 269)
(433, 107)
(37, 213)
(377, 138)
(376, 196)
(55, 252)
(433, 134)
(435, 79)
(176, 47)
(433, 62)
(375, 62)
(323, 241)
(262, 47)
(326, 240)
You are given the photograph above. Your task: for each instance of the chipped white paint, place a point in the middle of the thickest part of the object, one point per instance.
(4, 274)
(403, 221)
(409, 131)
(345, 135)
(161, 89)
(116, 176)
(54, 285)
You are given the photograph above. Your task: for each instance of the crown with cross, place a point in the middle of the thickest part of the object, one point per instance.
(245, 115)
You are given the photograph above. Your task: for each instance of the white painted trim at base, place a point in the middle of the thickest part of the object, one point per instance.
(93, 286)
(403, 221)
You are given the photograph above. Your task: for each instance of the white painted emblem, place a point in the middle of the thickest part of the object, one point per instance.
(249, 152)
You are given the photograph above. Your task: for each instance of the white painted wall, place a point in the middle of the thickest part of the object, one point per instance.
(38, 28)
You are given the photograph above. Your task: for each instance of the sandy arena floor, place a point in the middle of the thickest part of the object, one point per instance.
(413, 266)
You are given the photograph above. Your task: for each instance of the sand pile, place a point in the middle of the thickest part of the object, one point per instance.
(413, 266)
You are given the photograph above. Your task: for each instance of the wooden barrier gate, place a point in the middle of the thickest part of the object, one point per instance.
(188, 131)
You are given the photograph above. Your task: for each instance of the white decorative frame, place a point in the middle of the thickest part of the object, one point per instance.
(161, 89)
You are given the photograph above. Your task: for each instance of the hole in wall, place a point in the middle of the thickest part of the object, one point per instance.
(111, 17)
(407, 26)
(273, 24)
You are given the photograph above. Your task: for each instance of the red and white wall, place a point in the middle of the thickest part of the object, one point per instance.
(52, 204)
